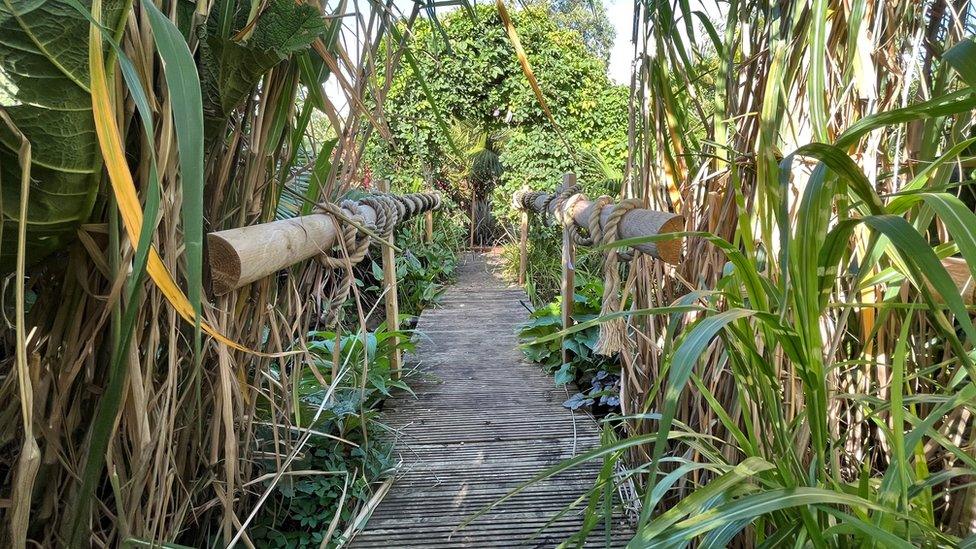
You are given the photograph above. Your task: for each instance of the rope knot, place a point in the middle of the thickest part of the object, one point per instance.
(613, 333)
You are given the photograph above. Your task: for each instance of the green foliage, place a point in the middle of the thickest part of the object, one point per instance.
(544, 266)
(764, 320)
(475, 77)
(337, 474)
(303, 507)
(583, 363)
(588, 18)
(231, 65)
(45, 92)
(422, 269)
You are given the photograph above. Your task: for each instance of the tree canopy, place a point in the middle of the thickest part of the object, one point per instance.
(474, 77)
(587, 17)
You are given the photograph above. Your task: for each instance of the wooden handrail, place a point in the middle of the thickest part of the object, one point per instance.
(245, 254)
(634, 224)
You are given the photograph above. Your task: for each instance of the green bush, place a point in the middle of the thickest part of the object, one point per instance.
(422, 268)
(343, 457)
(584, 364)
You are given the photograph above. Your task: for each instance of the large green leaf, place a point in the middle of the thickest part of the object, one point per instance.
(44, 88)
(230, 66)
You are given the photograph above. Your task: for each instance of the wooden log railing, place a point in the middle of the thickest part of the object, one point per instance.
(642, 222)
(634, 224)
(246, 254)
(577, 213)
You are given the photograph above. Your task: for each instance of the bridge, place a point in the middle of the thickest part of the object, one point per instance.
(483, 423)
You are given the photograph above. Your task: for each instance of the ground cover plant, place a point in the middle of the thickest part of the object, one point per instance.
(336, 471)
(596, 376)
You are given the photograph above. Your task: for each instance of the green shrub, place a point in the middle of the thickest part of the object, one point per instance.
(584, 364)
(422, 269)
(344, 456)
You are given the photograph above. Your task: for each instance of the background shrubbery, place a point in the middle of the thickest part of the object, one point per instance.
(477, 82)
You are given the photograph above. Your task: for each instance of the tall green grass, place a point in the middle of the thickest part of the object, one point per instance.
(821, 392)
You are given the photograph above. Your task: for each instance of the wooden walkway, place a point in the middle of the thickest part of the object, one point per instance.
(485, 425)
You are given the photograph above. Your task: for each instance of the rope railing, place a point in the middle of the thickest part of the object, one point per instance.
(336, 233)
(616, 221)
(599, 222)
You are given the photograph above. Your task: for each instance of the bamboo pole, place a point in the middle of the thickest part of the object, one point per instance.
(568, 285)
(635, 223)
(429, 227)
(245, 254)
(392, 299)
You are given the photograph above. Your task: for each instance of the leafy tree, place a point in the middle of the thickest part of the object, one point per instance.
(474, 78)
(588, 18)
(478, 170)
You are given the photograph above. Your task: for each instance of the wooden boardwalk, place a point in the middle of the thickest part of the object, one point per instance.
(484, 424)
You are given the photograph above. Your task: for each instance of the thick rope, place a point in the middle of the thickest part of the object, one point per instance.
(555, 202)
(566, 217)
(352, 244)
(350, 248)
(613, 333)
(389, 211)
(524, 199)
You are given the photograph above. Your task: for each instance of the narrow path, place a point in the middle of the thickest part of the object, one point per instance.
(484, 424)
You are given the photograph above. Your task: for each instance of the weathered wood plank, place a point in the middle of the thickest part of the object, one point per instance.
(483, 422)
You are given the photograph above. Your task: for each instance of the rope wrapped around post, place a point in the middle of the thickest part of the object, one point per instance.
(243, 255)
(605, 223)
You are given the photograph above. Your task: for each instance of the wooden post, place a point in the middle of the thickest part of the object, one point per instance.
(471, 235)
(392, 306)
(523, 248)
(568, 285)
(429, 227)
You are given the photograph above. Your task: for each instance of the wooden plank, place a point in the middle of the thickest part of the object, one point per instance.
(483, 423)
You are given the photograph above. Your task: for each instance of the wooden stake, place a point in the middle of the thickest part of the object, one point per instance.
(568, 285)
(523, 248)
(429, 227)
(390, 288)
(471, 235)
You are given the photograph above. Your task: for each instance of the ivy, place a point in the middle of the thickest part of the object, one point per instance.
(475, 78)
